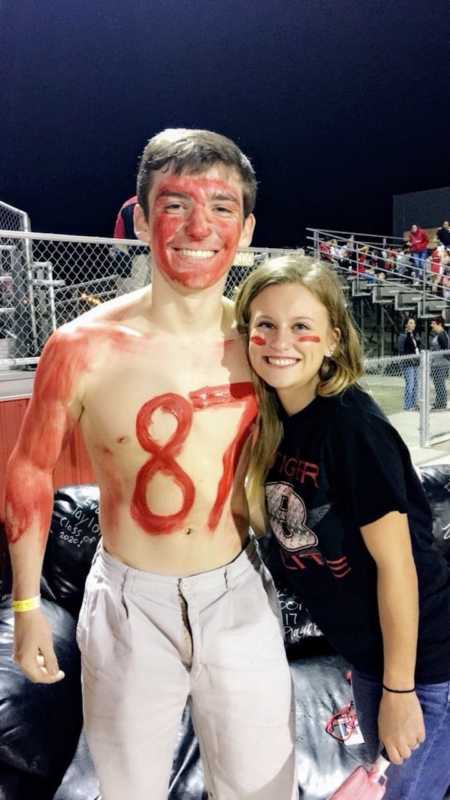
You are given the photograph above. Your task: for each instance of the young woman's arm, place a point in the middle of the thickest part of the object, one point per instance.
(400, 718)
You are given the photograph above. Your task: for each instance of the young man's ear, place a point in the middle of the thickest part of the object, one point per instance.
(141, 226)
(247, 231)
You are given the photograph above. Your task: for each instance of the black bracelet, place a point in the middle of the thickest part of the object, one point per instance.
(399, 691)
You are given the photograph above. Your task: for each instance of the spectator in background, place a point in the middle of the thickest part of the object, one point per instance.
(436, 264)
(446, 283)
(325, 250)
(418, 241)
(439, 363)
(409, 345)
(124, 227)
(375, 259)
(335, 251)
(363, 257)
(130, 264)
(443, 234)
(343, 257)
(403, 260)
(351, 252)
(390, 256)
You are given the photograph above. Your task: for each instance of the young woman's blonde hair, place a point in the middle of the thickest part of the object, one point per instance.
(341, 370)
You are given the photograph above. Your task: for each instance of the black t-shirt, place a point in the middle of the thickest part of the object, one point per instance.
(341, 465)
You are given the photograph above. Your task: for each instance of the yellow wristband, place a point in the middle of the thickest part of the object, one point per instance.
(26, 605)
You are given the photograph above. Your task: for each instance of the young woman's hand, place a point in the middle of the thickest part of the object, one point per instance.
(400, 725)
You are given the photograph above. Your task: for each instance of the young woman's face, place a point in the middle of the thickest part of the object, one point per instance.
(290, 334)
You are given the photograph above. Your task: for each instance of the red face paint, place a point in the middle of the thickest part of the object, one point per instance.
(306, 338)
(195, 213)
(259, 340)
(163, 457)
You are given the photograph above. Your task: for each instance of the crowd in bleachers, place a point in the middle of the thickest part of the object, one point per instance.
(420, 256)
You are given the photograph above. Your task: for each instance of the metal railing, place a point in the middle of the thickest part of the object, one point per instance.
(16, 284)
(49, 279)
(363, 257)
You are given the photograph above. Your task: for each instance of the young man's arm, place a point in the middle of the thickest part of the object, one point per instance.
(51, 415)
(400, 720)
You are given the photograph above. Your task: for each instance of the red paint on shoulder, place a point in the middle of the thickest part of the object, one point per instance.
(47, 425)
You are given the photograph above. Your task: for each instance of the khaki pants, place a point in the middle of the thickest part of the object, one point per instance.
(151, 642)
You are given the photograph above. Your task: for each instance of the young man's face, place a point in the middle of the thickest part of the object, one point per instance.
(195, 225)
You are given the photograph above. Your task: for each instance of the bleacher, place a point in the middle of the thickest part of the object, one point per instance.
(381, 294)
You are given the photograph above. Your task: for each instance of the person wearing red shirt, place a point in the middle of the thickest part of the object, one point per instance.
(124, 225)
(418, 241)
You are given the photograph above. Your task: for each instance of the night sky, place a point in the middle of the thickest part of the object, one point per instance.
(339, 103)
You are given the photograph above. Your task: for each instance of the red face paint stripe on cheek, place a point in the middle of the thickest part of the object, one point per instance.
(306, 338)
(258, 340)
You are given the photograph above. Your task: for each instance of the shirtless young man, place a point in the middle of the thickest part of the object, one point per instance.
(177, 604)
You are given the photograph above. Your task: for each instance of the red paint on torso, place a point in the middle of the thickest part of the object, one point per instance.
(163, 458)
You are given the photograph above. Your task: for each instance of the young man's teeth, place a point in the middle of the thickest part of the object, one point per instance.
(282, 362)
(196, 253)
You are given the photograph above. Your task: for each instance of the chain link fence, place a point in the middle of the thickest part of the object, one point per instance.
(16, 288)
(47, 280)
(413, 393)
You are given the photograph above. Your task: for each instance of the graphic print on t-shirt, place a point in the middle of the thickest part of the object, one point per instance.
(287, 516)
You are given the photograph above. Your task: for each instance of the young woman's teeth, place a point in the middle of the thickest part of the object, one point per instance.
(282, 362)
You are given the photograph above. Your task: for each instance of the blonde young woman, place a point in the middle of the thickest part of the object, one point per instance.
(350, 524)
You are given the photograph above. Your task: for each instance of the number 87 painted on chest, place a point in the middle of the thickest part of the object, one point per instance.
(163, 457)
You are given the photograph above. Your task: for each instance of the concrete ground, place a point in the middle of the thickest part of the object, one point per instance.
(438, 450)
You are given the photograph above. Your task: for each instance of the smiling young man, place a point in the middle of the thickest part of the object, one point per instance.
(178, 605)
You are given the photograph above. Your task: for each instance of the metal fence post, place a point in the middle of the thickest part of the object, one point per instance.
(424, 398)
(316, 244)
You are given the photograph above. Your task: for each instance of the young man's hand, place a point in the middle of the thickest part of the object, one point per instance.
(400, 725)
(33, 648)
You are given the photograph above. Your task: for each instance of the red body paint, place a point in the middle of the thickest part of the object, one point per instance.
(229, 395)
(259, 340)
(29, 489)
(162, 460)
(194, 224)
(47, 425)
(163, 457)
(308, 338)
